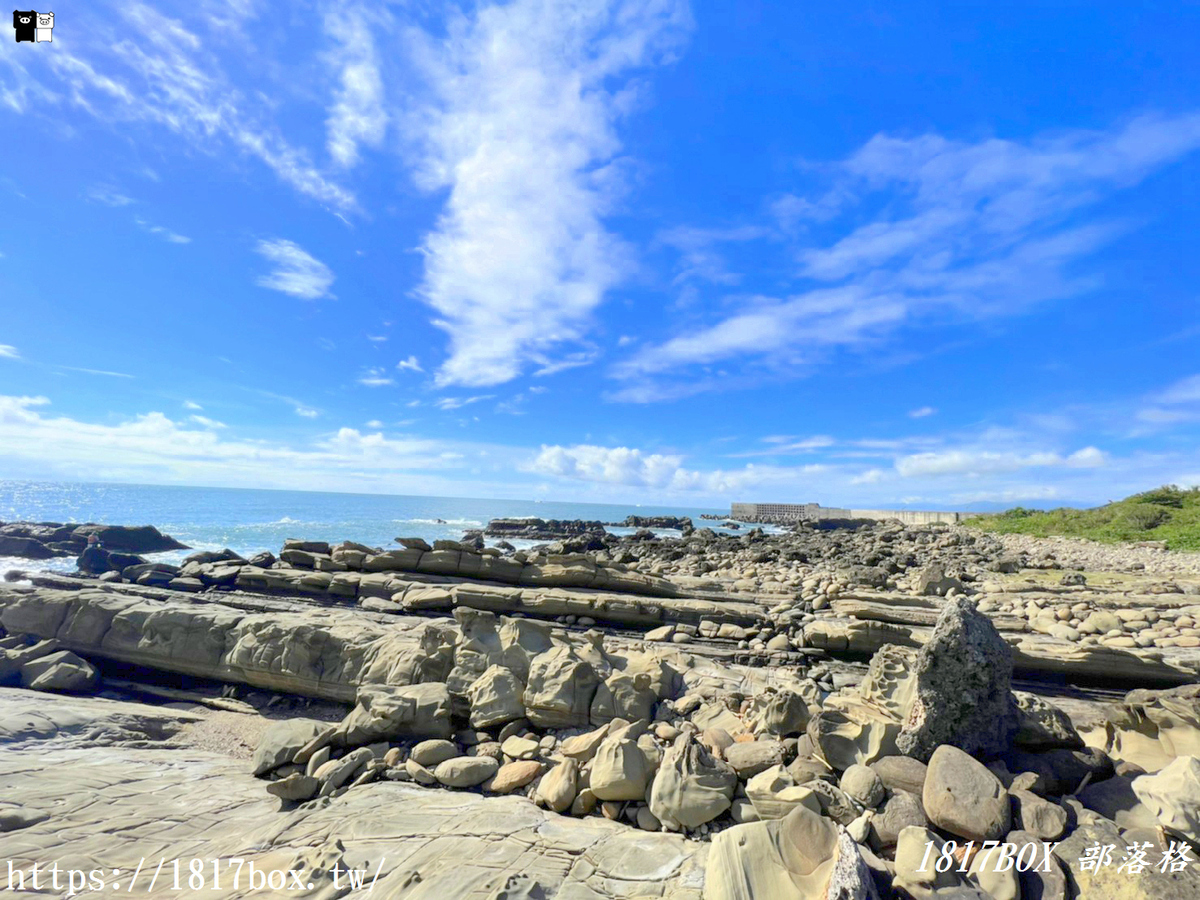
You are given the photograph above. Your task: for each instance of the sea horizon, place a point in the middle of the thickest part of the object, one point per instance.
(250, 520)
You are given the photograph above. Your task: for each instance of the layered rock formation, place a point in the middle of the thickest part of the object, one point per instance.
(705, 738)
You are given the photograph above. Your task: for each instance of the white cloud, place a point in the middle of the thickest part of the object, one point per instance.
(8, 351)
(1175, 405)
(191, 404)
(108, 195)
(985, 462)
(786, 444)
(235, 14)
(631, 467)
(375, 378)
(791, 211)
(870, 476)
(571, 361)
(103, 372)
(921, 412)
(459, 402)
(207, 422)
(968, 231)
(520, 126)
(377, 338)
(139, 65)
(699, 258)
(296, 271)
(374, 423)
(358, 114)
(1186, 390)
(1087, 458)
(165, 233)
(411, 363)
(155, 448)
(306, 412)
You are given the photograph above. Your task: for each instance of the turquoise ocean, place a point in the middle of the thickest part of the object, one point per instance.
(249, 521)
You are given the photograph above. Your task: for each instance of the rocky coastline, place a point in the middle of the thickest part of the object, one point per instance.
(725, 716)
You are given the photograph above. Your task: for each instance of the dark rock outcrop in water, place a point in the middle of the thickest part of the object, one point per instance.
(682, 523)
(533, 529)
(45, 540)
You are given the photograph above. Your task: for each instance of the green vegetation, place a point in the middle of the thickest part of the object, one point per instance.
(1167, 513)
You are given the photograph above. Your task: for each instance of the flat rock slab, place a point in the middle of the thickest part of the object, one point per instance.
(113, 806)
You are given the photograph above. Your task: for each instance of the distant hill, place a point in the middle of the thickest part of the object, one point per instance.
(1168, 514)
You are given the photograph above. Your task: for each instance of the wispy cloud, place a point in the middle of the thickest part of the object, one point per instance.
(459, 402)
(8, 351)
(968, 231)
(104, 372)
(296, 271)
(206, 422)
(1178, 403)
(519, 125)
(108, 195)
(782, 445)
(412, 364)
(966, 462)
(921, 412)
(155, 447)
(570, 361)
(632, 467)
(375, 377)
(699, 256)
(191, 404)
(167, 77)
(1186, 390)
(301, 408)
(166, 234)
(358, 114)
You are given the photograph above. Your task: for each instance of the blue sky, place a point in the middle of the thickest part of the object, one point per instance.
(862, 254)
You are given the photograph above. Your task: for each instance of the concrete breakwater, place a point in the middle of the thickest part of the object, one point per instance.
(797, 513)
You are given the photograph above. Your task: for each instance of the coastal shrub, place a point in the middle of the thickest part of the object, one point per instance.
(1168, 513)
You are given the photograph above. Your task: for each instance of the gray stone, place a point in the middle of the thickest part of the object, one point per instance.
(560, 689)
(691, 787)
(430, 753)
(1042, 725)
(61, 671)
(964, 687)
(1063, 771)
(295, 787)
(386, 713)
(964, 798)
(901, 773)
(751, 757)
(465, 771)
(1041, 818)
(778, 711)
(864, 785)
(281, 741)
(559, 786)
(1113, 883)
(898, 812)
(1039, 882)
(1173, 795)
(789, 857)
